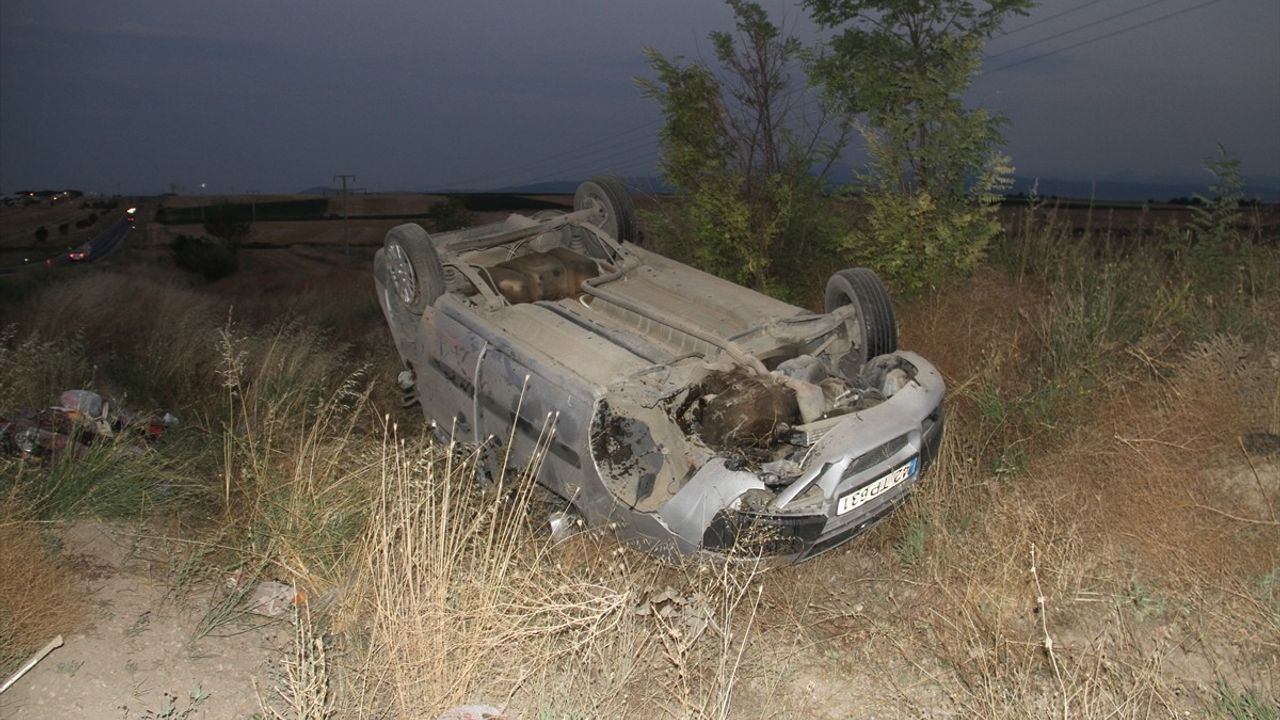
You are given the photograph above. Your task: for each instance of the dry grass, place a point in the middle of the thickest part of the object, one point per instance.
(40, 595)
(1152, 536)
(1094, 415)
(465, 598)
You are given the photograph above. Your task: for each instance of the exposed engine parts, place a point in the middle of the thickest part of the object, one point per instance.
(740, 410)
(759, 420)
(680, 411)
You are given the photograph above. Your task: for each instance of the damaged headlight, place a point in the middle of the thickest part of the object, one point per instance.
(752, 525)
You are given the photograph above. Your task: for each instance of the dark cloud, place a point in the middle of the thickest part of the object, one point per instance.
(133, 96)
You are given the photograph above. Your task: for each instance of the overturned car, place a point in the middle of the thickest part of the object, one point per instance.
(689, 413)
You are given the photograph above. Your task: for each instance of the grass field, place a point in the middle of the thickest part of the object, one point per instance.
(1096, 540)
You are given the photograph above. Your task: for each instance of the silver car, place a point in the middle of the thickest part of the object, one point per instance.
(689, 413)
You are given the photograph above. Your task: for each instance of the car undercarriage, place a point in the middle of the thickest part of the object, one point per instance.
(688, 413)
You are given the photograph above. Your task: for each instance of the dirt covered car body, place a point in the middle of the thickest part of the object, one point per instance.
(689, 413)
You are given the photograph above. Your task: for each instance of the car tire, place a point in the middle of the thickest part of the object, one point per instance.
(413, 268)
(610, 195)
(863, 289)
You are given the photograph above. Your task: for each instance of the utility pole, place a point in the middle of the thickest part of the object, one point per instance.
(346, 231)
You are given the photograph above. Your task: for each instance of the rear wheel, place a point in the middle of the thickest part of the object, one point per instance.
(610, 196)
(863, 289)
(413, 268)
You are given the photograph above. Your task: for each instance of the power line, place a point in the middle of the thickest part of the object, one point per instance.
(1054, 16)
(1033, 43)
(1102, 37)
(570, 152)
(615, 161)
(597, 158)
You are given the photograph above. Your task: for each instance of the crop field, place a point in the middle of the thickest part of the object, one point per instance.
(1100, 537)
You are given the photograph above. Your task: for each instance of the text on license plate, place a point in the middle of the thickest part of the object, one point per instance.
(877, 487)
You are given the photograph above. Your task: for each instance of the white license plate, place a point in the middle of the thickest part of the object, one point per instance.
(881, 485)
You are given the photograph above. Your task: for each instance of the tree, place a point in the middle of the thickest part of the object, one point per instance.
(227, 221)
(42, 234)
(1216, 252)
(934, 171)
(211, 258)
(746, 154)
(451, 214)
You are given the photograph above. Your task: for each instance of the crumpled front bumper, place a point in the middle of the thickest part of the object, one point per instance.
(870, 444)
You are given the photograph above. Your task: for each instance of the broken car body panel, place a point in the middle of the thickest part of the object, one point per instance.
(689, 413)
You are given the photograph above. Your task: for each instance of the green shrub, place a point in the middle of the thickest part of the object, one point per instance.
(449, 215)
(208, 257)
(918, 239)
(742, 158)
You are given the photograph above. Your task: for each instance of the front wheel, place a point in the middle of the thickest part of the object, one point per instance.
(864, 290)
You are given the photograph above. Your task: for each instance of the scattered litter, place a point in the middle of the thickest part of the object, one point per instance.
(273, 599)
(80, 419)
(31, 662)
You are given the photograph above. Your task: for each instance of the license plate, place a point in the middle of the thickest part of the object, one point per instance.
(881, 485)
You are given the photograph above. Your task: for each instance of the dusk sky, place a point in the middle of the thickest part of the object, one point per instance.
(133, 97)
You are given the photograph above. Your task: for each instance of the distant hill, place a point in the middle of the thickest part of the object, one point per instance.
(643, 184)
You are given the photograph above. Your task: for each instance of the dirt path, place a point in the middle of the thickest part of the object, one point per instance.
(138, 655)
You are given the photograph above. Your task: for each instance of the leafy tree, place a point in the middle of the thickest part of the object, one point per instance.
(1216, 250)
(211, 258)
(227, 221)
(746, 154)
(1216, 218)
(63, 229)
(42, 234)
(451, 214)
(933, 177)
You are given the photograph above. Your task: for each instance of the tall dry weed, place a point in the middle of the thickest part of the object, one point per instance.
(40, 595)
(1095, 409)
(468, 599)
(299, 462)
(145, 338)
(464, 602)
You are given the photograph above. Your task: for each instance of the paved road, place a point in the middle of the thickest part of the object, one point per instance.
(99, 247)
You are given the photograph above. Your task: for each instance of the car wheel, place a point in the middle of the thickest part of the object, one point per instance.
(863, 289)
(413, 267)
(611, 196)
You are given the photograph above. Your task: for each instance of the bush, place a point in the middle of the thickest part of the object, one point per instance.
(449, 215)
(227, 221)
(40, 594)
(210, 258)
(742, 158)
(933, 170)
(917, 240)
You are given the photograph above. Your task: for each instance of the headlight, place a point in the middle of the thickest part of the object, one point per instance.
(751, 527)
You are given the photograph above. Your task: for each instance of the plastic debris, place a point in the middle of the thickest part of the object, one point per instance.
(81, 418)
(273, 599)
